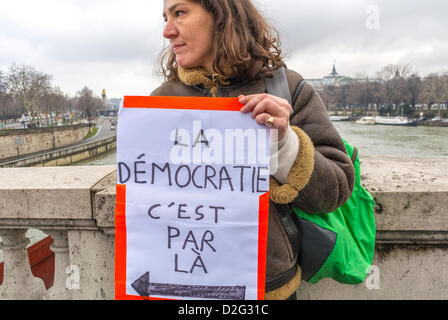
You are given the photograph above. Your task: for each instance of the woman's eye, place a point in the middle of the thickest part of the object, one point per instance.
(178, 13)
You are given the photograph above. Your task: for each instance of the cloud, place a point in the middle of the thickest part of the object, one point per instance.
(315, 33)
(114, 44)
(97, 43)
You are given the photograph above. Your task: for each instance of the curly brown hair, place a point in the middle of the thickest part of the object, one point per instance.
(247, 46)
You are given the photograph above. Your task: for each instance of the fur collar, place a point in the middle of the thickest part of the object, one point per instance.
(198, 76)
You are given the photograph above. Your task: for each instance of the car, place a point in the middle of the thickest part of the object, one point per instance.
(112, 128)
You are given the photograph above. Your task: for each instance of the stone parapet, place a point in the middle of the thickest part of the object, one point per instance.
(53, 193)
(411, 217)
(58, 201)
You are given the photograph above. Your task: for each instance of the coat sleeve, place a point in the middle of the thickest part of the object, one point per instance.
(322, 176)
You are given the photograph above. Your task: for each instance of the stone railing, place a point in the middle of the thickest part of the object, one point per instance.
(75, 206)
(59, 202)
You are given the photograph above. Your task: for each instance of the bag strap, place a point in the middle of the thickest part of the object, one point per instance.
(278, 84)
(297, 92)
(355, 154)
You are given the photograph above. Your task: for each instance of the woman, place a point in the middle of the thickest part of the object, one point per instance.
(225, 48)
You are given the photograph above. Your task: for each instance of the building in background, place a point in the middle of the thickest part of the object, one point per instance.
(113, 104)
(335, 79)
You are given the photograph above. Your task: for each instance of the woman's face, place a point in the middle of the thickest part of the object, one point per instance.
(189, 27)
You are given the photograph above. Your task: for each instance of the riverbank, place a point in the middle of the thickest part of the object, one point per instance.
(16, 143)
(430, 123)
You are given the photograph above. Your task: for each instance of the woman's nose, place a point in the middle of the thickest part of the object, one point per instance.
(170, 30)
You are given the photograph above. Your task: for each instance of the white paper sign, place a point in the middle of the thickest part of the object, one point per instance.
(192, 200)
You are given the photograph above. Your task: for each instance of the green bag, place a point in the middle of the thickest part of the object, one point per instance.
(339, 245)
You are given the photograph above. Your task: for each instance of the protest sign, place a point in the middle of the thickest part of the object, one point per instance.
(192, 200)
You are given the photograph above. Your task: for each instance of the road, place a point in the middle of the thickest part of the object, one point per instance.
(104, 131)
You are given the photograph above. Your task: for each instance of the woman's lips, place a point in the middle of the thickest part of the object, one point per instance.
(177, 47)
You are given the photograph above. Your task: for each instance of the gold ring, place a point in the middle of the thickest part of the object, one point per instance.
(270, 122)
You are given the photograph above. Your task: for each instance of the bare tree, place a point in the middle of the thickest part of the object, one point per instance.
(87, 103)
(393, 77)
(445, 88)
(342, 96)
(433, 90)
(377, 90)
(392, 71)
(8, 107)
(368, 94)
(2, 93)
(328, 95)
(354, 94)
(7, 103)
(28, 85)
(52, 102)
(414, 87)
(2, 83)
(360, 93)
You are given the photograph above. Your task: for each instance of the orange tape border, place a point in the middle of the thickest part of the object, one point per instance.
(185, 103)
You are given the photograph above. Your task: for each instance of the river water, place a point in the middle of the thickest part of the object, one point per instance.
(414, 142)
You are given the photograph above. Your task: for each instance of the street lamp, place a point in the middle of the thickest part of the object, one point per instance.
(52, 125)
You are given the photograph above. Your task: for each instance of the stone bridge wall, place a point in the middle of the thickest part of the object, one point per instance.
(20, 142)
(75, 205)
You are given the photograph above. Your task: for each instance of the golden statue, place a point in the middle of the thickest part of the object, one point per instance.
(103, 95)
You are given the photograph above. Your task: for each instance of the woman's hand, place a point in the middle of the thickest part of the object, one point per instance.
(264, 106)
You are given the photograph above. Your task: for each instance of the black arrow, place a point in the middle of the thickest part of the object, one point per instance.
(145, 289)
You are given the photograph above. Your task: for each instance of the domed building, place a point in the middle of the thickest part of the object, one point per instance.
(333, 79)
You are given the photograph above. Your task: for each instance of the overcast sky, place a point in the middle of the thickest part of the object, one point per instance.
(114, 44)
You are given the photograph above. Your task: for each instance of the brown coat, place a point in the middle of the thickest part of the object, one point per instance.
(321, 179)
